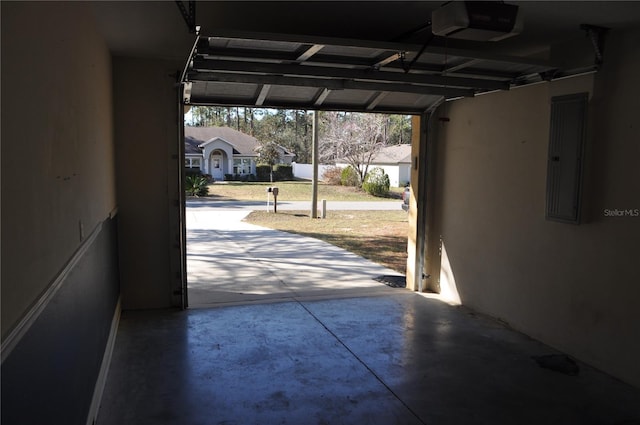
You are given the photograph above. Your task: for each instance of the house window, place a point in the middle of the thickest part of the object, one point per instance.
(242, 166)
(192, 162)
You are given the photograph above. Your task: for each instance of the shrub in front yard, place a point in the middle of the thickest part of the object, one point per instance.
(332, 175)
(349, 177)
(376, 182)
(262, 172)
(196, 185)
(244, 177)
(282, 172)
(240, 177)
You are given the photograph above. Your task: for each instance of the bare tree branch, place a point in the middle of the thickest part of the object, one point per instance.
(353, 138)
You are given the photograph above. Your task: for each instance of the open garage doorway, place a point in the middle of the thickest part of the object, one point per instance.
(414, 73)
(243, 247)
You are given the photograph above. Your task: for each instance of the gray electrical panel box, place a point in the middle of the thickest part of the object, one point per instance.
(564, 162)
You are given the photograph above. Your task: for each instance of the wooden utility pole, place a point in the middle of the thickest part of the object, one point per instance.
(314, 161)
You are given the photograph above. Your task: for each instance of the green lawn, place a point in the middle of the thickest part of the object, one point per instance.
(293, 191)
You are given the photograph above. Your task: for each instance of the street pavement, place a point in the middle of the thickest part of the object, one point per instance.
(231, 262)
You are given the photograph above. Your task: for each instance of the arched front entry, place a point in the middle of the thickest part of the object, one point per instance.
(217, 163)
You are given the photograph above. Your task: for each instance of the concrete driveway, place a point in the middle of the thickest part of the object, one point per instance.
(230, 261)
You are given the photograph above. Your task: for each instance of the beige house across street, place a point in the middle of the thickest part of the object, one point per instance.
(395, 160)
(222, 150)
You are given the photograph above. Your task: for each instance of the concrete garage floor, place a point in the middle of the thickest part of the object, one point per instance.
(400, 359)
(283, 339)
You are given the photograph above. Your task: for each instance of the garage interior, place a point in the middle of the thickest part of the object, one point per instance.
(93, 212)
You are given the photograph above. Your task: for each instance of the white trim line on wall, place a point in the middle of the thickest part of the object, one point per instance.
(104, 366)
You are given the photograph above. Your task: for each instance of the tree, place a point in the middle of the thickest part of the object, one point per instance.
(398, 129)
(291, 129)
(269, 154)
(353, 138)
(287, 128)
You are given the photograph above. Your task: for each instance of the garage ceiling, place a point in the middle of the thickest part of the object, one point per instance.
(362, 56)
(310, 72)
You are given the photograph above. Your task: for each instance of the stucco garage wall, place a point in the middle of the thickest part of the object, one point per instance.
(60, 284)
(146, 138)
(58, 178)
(572, 286)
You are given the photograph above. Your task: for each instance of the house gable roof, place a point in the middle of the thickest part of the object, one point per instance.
(394, 154)
(191, 146)
(217, 141)
(243, 144)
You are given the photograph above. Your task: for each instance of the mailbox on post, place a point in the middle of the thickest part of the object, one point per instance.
(274, 191)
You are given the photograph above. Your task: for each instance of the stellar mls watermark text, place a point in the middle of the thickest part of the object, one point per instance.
(633, 212)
